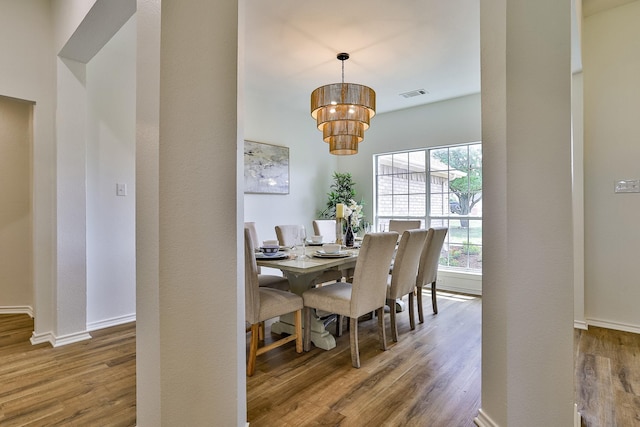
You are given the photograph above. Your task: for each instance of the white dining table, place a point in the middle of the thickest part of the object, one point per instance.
(301, 274)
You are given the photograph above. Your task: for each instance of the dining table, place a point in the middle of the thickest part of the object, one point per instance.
(302, 272)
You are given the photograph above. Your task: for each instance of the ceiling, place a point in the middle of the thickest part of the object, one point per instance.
(395, 47)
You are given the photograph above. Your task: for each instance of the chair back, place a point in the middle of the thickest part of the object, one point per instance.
(325, 228)
(251, 226)
(287, 234)
(405, 266)
(369, 287)
(251, 284)
(402, 225)
(429, 260)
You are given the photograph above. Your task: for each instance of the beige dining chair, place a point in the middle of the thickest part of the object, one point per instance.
(325, 228)
(288, 234)
(402, 225)
(428, 268)
(364, 295)
(266, 303)
(266, 280)
(402, 280)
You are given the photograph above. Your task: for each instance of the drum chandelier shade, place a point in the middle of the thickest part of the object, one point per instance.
(342, 112)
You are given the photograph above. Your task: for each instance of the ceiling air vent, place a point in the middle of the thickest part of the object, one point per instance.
(413, 93)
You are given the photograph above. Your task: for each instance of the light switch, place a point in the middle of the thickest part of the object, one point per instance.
(627, 186)
(121, 189)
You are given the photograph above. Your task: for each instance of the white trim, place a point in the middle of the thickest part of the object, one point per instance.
(50, 338)
(577, 418)
(19, 309)
(580, 324)
(114, 321)
(614, 325)
(456, 281)
(483, 420)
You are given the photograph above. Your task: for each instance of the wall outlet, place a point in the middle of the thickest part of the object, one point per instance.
(627, 186)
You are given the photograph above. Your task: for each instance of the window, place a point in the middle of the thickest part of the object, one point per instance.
(441, 187)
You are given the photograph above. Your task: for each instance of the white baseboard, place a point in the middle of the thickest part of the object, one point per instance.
(483, 420)
(55, 341)
(580, 324)
(577, 418)
(114, 321)
(456, 281)
(613, 325)
(20, 309)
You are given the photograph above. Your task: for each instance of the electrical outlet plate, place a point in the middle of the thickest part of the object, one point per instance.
(627, 186)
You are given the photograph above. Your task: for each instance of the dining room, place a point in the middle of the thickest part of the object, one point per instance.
(181, 210)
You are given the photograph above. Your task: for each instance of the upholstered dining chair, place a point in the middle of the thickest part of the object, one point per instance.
(265, 303)
(364, 295)
(402, 225)
(402, 280)
(325, 228)
(428, 268)
(266, 280)
(288, 234)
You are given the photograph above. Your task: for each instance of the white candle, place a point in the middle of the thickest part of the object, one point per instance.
(339, 210)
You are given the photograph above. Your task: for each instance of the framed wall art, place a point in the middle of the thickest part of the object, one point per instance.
(266, 168)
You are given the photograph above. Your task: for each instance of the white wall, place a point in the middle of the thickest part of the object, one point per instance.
(111, 101)
(28, 72)
(612, 149)
(16, 215)
(310, 167)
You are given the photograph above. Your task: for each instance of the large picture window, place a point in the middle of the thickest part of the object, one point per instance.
(441, 187)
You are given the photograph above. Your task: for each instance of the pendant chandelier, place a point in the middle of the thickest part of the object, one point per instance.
(342, 112)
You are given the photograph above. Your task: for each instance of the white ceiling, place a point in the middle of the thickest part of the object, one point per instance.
(395, 47)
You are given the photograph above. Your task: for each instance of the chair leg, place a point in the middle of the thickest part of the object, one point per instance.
(298, 326)
(339, 325)
(412, 313)
(353, 338)
(307, 328)
(382, 330)
(419, 298)
(392, 317)
(261, 331)
(253, 349)
(434, 302)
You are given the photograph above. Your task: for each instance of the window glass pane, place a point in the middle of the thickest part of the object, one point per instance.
(439, 159)
(438, 205)
(385, 205)
(417, 183)
(385, 162)
(417, 205)
(400, 184)
(475, 156)
(401, 205)
(400, 162)
(385, 185)
(417, 161)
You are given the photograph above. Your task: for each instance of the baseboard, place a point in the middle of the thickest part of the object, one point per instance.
(577, 418)
(461, 282)
(114, 321)
(483, 420)
(55, 341)
(580, 324)
(459, 290)
(613, 325)
(19, 309)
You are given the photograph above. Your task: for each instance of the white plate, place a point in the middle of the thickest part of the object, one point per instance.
(323, 254)
(279, 255)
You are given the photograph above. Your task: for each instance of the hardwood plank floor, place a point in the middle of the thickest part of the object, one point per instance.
(431, 377)
(91, 383)
(608, 377)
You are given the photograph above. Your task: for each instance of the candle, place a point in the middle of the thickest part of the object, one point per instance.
(339, 210)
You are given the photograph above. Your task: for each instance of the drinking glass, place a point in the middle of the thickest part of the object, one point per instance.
(301, 242)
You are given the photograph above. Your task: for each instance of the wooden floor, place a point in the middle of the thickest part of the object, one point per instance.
(608, 377)
(431, 377)
(91, 383)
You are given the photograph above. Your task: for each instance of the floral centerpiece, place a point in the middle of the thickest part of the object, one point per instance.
(353, 211)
